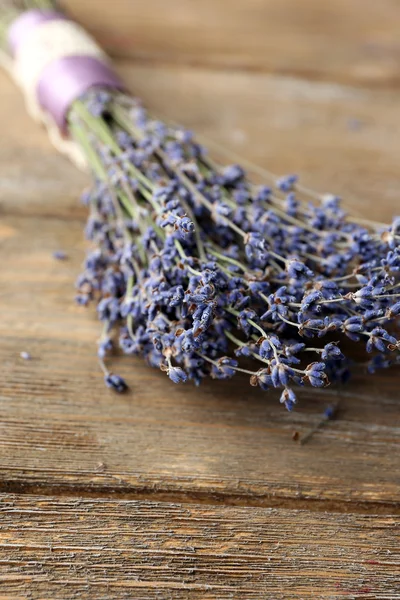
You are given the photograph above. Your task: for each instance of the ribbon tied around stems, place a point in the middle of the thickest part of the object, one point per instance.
(55, 62)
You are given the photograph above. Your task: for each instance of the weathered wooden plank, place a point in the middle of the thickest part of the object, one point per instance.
(61, 428)
(338, 40)
(66, 548)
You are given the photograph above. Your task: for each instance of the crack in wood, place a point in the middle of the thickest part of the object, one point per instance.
(200, 497)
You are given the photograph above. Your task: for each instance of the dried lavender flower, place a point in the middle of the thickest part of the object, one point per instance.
(115, 382)
(60, 255)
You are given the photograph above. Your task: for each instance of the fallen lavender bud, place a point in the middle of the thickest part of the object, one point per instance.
(115, 382)
(60, 255)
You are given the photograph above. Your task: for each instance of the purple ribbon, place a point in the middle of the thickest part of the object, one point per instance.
(66, 79)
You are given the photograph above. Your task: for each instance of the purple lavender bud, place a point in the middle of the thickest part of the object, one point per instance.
(178, 296)
(223, 210)
(288, 398)
(353, 325)
(378, 290)
(326, 286)
(184, 136)
(377, 339)
(316, 374)
(293, 349)
(263, 194)
(156, 264)
(396, 225)
(286, 183)
(232, 174)
(86, 197)
(166, 219)
(247, 350)
(82, 299)
(176, 374)
(394, 310)
(123, 139)
(198, 299)
(266, 351)
(330, 412)
(241, 197)
(313, 324)
(373, 314)
(295, 269)
(189, 343)
(185, 225)
(263, 379)
(60, 255)
(291, 204)
(105, 346)
(365, 292)
(97, 102)
(209, 276)
(243, 320)
(331, 351)
(108, 309)
(206, 317)
(280, 375)
(227, 365)
(311, 299)
(116, 383)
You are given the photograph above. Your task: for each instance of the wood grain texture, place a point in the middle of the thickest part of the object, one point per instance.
(63, 434)
(339, 40)
(74, 548)
(61, 429)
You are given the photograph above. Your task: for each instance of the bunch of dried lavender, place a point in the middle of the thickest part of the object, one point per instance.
(192, 260)
(197, 270)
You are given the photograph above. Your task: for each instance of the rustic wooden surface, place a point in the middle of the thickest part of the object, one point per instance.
(322, 104)
(354, 42)
(98, 548)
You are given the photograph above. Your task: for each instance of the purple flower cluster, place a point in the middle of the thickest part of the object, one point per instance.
(195, 268)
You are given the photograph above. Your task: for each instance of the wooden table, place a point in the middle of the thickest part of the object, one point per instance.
(168, 491)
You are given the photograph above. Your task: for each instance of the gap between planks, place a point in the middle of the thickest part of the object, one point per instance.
(199, 497)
